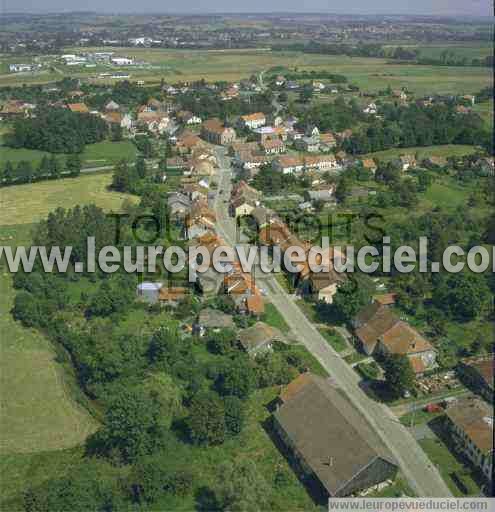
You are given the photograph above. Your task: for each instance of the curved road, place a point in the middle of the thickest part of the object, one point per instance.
(422, 476)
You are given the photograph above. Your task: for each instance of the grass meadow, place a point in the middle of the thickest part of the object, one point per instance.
(29, 203)
(95, 155)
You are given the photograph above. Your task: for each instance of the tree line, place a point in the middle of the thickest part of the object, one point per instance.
(49, 168)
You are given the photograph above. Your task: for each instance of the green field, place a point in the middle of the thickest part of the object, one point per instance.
(107, 153)
(94, 155)
(37, 412)
(368, 73)
(423, 152)
(26, 204)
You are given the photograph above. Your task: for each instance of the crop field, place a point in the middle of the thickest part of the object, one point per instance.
(215, 65)
(25, 204)
(37, 412)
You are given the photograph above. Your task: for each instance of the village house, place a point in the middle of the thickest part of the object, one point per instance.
(113, 118)
(255, 305)
(270, 132)
(253, 121)
(242, 147)
(470, 423)
(188, 118)
(380, 332)
(324, 285)
(212, 320)
(178, 204)
(78, 108)
(370, 109)
(112, 106)
(327, 141)
(214, 132)
(331, 443)
(435, 162)
(187, 142)
(325, 195)
(15, 109)
(250, 161)
(407, 162)
(487, 166)
(478, 375)
(259, 338)
(400, 94)
(149, 291)
(288, 164)
(243, 199)
(273, 146)
(369, 164)
(172, 295)
(308, 144)
(321, 163)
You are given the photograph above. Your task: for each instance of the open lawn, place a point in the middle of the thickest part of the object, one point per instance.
(95, 155)
(448, 464)
(275, 319)
(25, 204)
(38, 414)
(369, 74)
(107, 153)
(423, 152)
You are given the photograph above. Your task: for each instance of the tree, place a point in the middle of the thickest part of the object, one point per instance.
(158, 474)
(124, 177)
(115, 295)
(132, 427)
(342, 190)
(234, 415)
(8, 173)
(424, 181)
(44, 167)
(221, 342)
(206, 420)
(24, 171)
(116, 132)
(241, 487)
(237, 378)
(54, 167)
(349, 299)
(73, 164)
(89, 485)
(463, 296)
(141, 167)
(399, 375)
(306, 93)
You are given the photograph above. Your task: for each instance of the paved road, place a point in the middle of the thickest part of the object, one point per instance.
(415, 465)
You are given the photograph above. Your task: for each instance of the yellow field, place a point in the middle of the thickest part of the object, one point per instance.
(26, 204)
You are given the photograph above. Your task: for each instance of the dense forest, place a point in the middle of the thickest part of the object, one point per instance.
(413, 125)
(57, 130)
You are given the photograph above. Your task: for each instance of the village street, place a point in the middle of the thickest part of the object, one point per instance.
(415, 465)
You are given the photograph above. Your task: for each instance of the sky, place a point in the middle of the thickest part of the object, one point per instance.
(426, 7)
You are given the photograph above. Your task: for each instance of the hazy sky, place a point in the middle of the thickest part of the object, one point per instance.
(427, 7)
